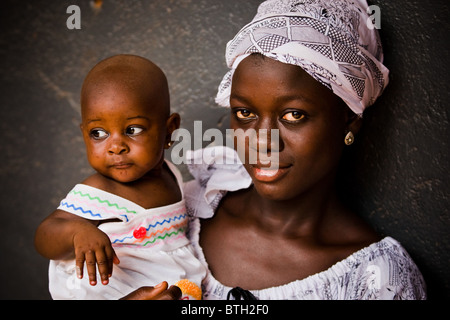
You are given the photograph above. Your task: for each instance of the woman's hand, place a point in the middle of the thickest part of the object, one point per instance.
(158, 292)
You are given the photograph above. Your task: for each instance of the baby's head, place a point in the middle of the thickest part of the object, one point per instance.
(126, 120)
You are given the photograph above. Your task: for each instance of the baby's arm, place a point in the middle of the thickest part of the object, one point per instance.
(63, 235)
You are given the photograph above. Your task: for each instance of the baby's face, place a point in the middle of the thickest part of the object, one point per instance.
(124, 135)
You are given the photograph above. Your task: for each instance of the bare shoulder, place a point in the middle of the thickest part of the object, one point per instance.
(349, 228)
(232, 202)
(98, 181)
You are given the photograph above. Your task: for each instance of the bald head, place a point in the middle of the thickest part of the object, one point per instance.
(132, 74)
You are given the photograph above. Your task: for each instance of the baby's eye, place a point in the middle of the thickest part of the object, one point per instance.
(98, 134)
(132, 131)
(293, 116)
(244, 114)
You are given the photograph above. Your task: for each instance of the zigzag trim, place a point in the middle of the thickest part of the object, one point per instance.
(163, 215)
(162, 237)
(102, 201)
(154, 244)
(176, 226)
(80, 208)
(122, 240)
(180, 217)
(99, 208)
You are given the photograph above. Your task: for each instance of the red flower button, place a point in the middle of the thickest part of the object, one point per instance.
(139, 233)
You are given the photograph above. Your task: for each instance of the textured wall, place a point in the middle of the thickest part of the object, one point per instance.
(401, 181)
(396, 175)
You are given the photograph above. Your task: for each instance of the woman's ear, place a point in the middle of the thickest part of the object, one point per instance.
(172, 123)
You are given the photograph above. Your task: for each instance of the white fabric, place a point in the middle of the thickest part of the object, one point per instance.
(383, 270)
(161, 252)
(330, 40)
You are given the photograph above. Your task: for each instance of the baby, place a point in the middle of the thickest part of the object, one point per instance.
(128, 218)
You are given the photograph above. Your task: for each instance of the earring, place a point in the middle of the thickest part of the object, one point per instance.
(349, 138)
(169, 144)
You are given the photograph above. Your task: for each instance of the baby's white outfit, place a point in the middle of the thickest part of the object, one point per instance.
(151, 245)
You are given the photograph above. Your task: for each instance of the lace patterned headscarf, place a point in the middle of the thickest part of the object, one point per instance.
(330, 40)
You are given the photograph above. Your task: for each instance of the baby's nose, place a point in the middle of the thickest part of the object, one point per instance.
(118, 146)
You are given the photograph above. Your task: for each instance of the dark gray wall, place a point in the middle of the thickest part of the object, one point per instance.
(396, 175)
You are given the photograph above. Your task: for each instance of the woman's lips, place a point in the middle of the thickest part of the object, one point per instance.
(269, 174)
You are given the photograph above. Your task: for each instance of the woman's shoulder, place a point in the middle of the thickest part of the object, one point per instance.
(216, 171)
(385, 270)
(381, 271)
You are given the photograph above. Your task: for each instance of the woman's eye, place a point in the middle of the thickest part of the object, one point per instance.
(132, 131)
(98, 134)
(293, 116)
(244, 114)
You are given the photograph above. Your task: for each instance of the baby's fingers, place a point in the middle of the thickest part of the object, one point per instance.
(79, 265)
(112, 259)
(90, 260)
(105, 264)
(91, 266)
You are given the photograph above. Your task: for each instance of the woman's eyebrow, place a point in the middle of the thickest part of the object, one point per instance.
(293, 97)
(281, 98)
(238, 97)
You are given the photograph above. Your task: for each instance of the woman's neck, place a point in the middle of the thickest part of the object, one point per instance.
(303, 216)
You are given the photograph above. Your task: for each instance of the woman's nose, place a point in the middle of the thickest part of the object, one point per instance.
(267, 138)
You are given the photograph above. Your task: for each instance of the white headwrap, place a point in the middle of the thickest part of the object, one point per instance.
(330, 40)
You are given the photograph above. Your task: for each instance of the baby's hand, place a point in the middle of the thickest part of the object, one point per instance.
(93, 246)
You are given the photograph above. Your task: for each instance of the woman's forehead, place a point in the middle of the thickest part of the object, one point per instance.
(259, 73)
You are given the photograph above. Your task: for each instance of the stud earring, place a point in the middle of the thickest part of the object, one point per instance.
(169, 144)
(349, 138)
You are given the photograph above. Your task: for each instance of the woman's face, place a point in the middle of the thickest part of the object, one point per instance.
(312, 123)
